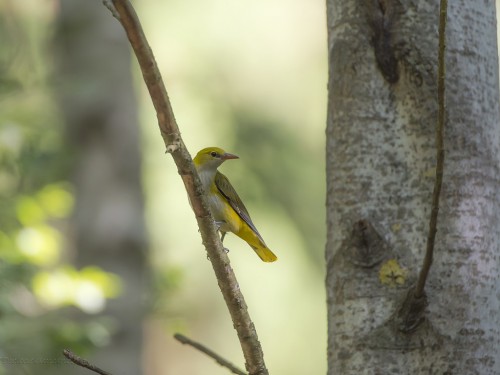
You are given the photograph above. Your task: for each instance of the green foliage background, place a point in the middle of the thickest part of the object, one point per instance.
(37, 280)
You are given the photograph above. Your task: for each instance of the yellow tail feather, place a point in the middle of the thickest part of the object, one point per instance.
(255, 241)
(265, 254)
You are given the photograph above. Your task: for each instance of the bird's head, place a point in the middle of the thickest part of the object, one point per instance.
(212, 158)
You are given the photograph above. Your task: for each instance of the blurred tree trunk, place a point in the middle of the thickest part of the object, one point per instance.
(380, 174)
(97, 99)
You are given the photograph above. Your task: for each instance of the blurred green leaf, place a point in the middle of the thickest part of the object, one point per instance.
(56, 200)
(86, 289)
(29, 211)
(39, 244)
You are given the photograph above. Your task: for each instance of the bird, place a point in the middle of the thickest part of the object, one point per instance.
(228, 211)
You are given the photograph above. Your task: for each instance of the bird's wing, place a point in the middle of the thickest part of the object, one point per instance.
(227, 190)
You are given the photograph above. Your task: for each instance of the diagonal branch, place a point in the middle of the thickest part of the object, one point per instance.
(226, 278)
(419, 290)
(83, 362)
(221, 361)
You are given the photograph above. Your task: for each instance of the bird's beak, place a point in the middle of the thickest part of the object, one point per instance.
(227, 156)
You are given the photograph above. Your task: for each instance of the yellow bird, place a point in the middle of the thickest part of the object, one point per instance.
(229, 212)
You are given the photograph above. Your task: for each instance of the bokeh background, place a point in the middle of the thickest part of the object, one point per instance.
(99, 249)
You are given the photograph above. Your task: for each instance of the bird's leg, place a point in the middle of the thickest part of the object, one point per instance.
(218, 224)
(223, 234)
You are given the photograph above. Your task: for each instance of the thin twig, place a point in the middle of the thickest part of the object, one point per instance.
(419, 290)
(83, 362)
(228, 284)
(221, 361)
(109, 4)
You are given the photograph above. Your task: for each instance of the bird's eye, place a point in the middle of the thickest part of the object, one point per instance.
(213, 153)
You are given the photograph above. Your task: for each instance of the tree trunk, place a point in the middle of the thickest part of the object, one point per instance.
(382, 113)
(99, 105)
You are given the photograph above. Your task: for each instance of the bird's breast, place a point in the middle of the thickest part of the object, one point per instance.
(219, 207)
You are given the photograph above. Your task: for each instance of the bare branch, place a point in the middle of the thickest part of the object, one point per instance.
(83, 362)
(228, 284)
(419, 290)
(221, 361)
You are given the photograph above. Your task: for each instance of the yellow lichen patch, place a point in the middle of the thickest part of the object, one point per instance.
(431, 172)
(392, 274)
(396, 227)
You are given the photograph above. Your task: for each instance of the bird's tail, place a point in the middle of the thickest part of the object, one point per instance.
(253, 238)
(265, 253)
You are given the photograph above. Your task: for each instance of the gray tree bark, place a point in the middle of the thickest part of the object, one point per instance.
(382, 113)
(98, 102)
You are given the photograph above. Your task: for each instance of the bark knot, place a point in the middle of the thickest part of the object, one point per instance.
(411, 313)
(365, 247)
(381, 16)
